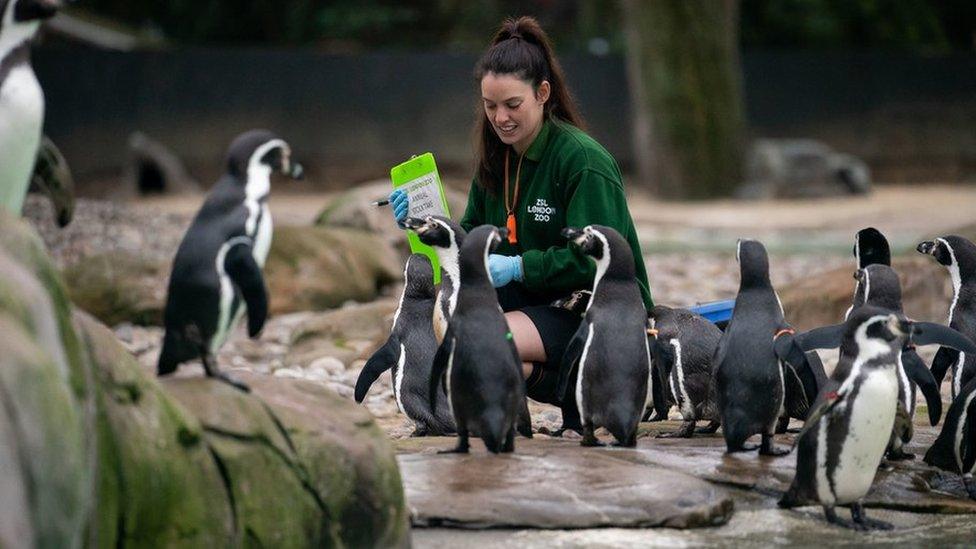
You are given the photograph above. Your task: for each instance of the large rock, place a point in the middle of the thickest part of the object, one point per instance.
(118, 287)
(553, 484)
(823, 298)
(308, 268)
(94, 451)
(316, 268)
(802, 168)
(354, 209)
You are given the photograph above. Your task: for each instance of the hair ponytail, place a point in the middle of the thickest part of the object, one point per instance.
(520, 48)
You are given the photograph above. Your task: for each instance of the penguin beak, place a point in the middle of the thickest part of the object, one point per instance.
(415, 224)
(927, 247)
(571, 233)
(502, 233)
(296, 171)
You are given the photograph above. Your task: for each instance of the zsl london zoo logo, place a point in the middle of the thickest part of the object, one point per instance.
(541, 210)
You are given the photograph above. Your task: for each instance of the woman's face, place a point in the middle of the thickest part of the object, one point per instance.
(514, 110)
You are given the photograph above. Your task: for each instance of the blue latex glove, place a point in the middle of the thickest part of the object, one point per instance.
(504, 269)
(400, 202)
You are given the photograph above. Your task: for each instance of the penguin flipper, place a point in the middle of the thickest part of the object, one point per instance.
(944, 359)
(439, 367)
(381, 361)
(246, 275)
(663, 364)
(825, 337)
(793, 357)
(570, 357)
(917, 372)
(930, 333)
(828, 398)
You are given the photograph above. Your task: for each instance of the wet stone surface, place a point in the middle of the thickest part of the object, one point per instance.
(553, 484)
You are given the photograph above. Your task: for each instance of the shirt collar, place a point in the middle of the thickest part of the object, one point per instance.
(535, 150)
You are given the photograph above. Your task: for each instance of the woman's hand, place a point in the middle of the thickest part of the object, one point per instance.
(400, 203)
(504, 269)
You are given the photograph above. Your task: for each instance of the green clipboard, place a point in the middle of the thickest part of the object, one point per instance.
(418, 176)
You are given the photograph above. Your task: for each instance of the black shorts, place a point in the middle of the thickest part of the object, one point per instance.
(556, 327)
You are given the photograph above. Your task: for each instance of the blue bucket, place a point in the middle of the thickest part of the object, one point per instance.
(718, 312)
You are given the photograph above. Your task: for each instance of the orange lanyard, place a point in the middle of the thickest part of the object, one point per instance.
(510, 209)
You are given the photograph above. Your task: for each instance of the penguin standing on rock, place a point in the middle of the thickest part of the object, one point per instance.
(756, 351)
(410, 351)
(609, 353)
(217, 274)
(959, 257)
(477, 362)
(847, 432)
(21, 97)
(682, 346)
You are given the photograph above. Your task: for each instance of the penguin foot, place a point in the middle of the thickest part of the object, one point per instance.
(227, 378)
(970, 483)
(419, 432)
(863, 523)
(709, 429)
(899, 455)
(767, 448)
(629, 443)
(589, 439)
(462, 445)
(687, 430)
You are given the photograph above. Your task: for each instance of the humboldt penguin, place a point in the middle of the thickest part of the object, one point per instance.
(754, 356)
(409, 351)
(682, 346)
(477, 361)
(21, 97)
(870, 248)
(610, 353)
(446, 237)
(216, 274)
(844, 439)
(958, 255)
(955, 448)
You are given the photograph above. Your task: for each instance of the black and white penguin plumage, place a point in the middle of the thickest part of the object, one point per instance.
(755, 354)
(445, 237)
(682, 346)
(217, 274)
(845, 436)
(477, 362)
(609, 353)
(410, 352)
(870, 248)
(21, 97)
(959, 257)
(955, 448)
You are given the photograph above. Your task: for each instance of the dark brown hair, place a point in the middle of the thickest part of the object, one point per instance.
(520, 48)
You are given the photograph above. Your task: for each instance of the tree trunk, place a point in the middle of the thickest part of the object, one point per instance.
(685, 81)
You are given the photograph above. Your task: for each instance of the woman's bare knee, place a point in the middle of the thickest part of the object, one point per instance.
(526, 337)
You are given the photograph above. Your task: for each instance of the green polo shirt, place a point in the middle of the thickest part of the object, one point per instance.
(567, 180)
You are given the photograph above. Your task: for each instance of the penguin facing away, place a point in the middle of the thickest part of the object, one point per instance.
(755, 353)
(609, 353)
(844, 438)
(216, 274)
(958, 255)
(409, 351)
(870, 248)
(955, 448)
(477, 362)
(445, 236)
(21, 97)
(682, 346)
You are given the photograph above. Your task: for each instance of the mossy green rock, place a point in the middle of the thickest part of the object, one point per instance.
(96, 452)
(117, 287)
